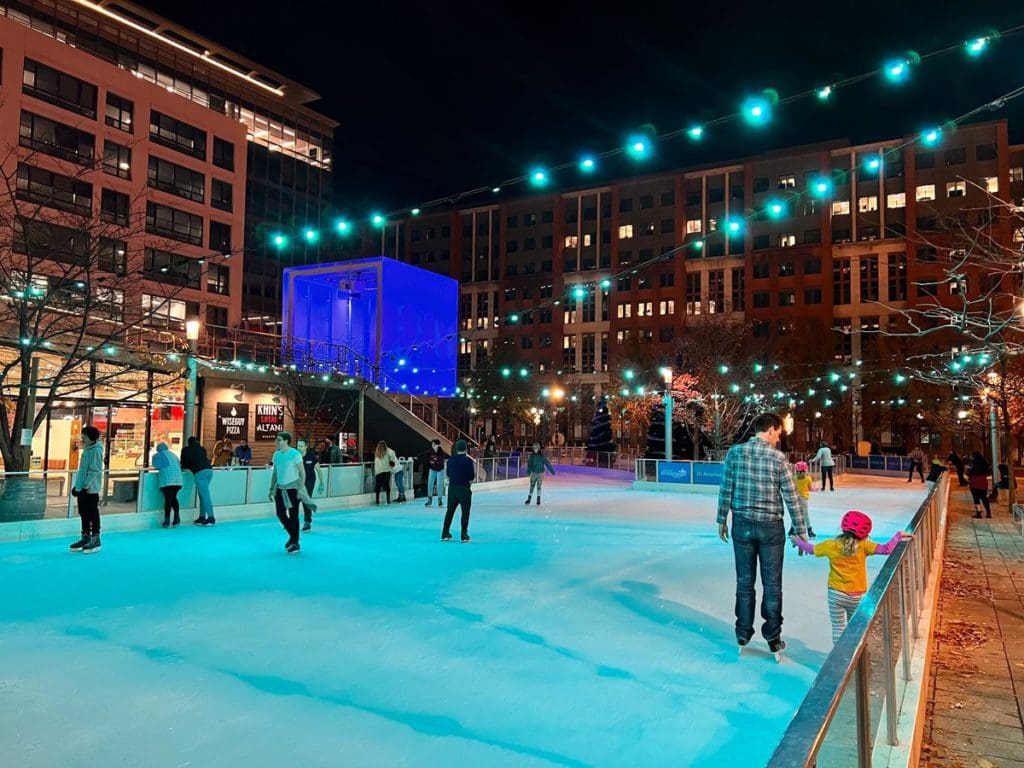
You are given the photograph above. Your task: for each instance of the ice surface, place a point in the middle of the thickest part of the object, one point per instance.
(594, 630)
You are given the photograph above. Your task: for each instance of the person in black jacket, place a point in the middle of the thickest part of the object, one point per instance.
(436, 458)
(461, 472)
(194, 459)
(956, 461)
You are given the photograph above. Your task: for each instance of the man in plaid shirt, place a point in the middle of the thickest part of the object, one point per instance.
(756, 480)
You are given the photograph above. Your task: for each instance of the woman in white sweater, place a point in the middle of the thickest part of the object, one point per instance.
(824, 455)
(384, 461)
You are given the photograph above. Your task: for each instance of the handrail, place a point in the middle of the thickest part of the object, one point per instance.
(451, 426)
(807, 731)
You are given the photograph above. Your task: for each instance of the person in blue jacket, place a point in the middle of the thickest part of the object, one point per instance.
(461, 471)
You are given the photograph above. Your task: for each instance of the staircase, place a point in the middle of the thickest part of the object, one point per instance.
(419, 416)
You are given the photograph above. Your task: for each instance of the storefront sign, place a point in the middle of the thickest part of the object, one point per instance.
(269, 420)
(233, 421)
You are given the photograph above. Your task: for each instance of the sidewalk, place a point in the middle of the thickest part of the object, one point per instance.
(976, 680)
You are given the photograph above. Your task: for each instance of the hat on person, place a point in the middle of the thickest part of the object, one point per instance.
(460, 446)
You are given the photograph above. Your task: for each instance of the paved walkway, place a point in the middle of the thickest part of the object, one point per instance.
(976, 686)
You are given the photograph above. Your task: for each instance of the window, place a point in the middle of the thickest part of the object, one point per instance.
(716, 291)
(867, 204)
(547, 241)
(787, 182)
(956, 188)
(43, 240)
(812, 295)
(869, 278)
(171, 268)
(119, 112)
(625, 231)
(810, 207)
(159, 312)
(218, 279)
(112, 256)
(956, 156)
(109, 303)
(761, 270)
(925, 160)
(668, 226)
(646, 201)
(712, 223)
(512, 222)
(114, 207)
(787, 268)
(840, 207)
(547, 217)
(693, 303)
(48, 84)
(787, 240)
(812, 236)
(760, 184)
(56, 139)
(527, 342)
(53, 190)
(759, 242)
(925, 192)
(667, 307)
(761, 329)
(738, 294)
(665, 333)
(223, 154)
(896, 200)
(644, 308)
(625, 205)
(762, 299)
(176, 179)
(173, 133)
(986, 152)
(221, 194)
(787, 298)
(1017, 174)
(693, 226)
(117, 160)
(530, 244)
(170, 222)
(623, 311)
(668, 198)
(812, 265)
(991, 184)
(927, 289)
(571, 241)
(220, 237)
(841, 235)
(841, 281)
(958, 285)
(666, 279)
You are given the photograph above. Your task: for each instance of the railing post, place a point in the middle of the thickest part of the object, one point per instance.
(904, 624)
(863, 711)
(890, 671)
(912, 562)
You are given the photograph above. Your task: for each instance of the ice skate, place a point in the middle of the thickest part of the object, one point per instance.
(465, 538)
(77, 546)
(446, 537)
(92, 545)
(528, 500)
(538, 499)
(428, 504)
(293, 547)
(777, 646)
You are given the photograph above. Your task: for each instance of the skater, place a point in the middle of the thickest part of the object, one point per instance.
(935, 472)
(536, 465)
(977, 479)
(756, 480)
(490, 452)
(87, 487)
(461, 472)
(286, 478)
(384, 461)
(400, 481)
(958, 463)
(243, 453)
(312, 476)
(196, 461)
(804, 485)
(436, 459)
(916, 457)
(848, 573)
(828, 465)
(170, 483)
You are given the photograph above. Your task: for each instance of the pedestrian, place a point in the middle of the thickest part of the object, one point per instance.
(243, 453)
(935, 472)
(384, 461)
(286, 478)
(535, 465)
(436, 459)
(756, 481)
(169, 478)
(330, 453)
(461, 472)
(223, 451)
(312, 476)
(916, 457)
(400, 480)
(977, 479)
(848, 573)
(195, 459)
(828, 465)
(490, 452)
(958, 464)
(87, 486)
(804, 485)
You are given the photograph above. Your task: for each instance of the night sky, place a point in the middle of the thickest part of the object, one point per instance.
(437, 98)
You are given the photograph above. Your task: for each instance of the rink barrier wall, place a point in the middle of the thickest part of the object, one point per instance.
(132, 500)
(863, 706)
(703, 477)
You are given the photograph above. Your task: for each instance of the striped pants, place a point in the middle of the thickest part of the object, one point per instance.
(841, 606)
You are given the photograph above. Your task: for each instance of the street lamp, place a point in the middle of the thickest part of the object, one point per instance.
(666, 374)
(192, 326)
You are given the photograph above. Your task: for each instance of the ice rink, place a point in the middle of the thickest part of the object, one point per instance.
(593, 630)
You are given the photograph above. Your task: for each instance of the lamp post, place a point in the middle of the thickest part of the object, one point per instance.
(192, 326)
(666, 374)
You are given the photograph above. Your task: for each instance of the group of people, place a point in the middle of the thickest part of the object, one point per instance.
(976, 480)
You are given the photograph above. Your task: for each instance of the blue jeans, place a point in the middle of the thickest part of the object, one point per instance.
(400, 480)
(753, 542)
(203, 478)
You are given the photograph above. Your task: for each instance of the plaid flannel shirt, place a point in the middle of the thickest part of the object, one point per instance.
(756, 480)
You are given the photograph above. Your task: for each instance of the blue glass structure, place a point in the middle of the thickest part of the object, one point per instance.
(379, 319)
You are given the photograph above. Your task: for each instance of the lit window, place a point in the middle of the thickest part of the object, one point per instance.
(956, 188)
(625, 231)
(587, 240)
(667, 307)
(991, 184)
(624, 310)
(571, 241)
(867, 203)
(925, 192)
(787, 182)
(712, 224)
(787, 240)
(840, 207)
(693, 226)
(896, 200)
(1017, 174)
(644, 308)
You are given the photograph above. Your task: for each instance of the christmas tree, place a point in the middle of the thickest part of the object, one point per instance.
(601, 430)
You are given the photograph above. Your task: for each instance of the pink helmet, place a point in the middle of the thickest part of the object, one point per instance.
(800, 466)
(856, 523)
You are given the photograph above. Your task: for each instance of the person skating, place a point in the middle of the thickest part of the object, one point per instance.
(87, 487)
(804, 485)
(535, 465)
(312, 475)
(828, 465)
(916, 457)
(436, 459)
(195, 460)
(848, 574)
(461, 471)
(400, 481)
(286, 477)
(935, 472)
(169, 477)
(384, 463)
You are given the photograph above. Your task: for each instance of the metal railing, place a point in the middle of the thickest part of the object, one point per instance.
(863, 679)
(579, 456)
